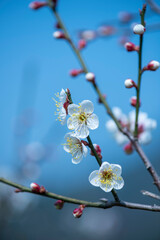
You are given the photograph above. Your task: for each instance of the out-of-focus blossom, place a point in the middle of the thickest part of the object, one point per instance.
(138, 29)
(107, 177)
(75, 72)
(145, 126)
(75, 147)
(82, 118)
(125, 17)
(59, 35)
(82, 44)
(128, 148)
(88, 35)
(36, 5)
(130, 47)
(106, 30)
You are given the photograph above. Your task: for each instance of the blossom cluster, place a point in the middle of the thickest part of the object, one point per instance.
(145, 126)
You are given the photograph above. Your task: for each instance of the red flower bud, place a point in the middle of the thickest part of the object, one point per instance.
(36, 5)
(35, 187)
(152, 66)
(75, 72)
(77, 213)
(133, 101)
(59, 204)
(128, 148)
(59, 35)
(129, 46)
(81, 44)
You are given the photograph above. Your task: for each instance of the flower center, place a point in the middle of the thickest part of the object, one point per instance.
(82, 117)
(106, 176)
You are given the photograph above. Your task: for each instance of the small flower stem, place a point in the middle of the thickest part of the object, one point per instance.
(93, 150)
(100, 163)
(142, 13)
(100, 204)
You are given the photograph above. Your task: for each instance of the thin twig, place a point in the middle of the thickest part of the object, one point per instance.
(100, 204)
(152, 195)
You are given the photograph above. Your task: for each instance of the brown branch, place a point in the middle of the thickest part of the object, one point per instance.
(101, 204)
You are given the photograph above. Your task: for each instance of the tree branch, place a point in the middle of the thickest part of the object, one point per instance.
(101, 204)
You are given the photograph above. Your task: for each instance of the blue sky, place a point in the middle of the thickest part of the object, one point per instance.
(34, 66)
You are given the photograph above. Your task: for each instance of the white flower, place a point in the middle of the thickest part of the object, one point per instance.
(107, 177)
(82, 118)
(138, 29)
(145, 126)
(61, 111)
(74, 146)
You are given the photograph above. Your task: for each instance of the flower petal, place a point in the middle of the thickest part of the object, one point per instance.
(85, 150)
(119, 183)
(94, 178)
(73, 109)
(106, 187)
(105, 165)
(93, 121)
(62, 96)
(82, 131)
(116, 169)
(77, 157)
(87, 106)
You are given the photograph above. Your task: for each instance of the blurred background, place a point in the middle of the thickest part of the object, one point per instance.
(34, 66)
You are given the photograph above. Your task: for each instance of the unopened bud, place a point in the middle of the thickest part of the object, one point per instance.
(129, 83)
(128, 148)
(98, 150)
(36, 5)
(17, 190)
(82, 44)
(76, 72)
(35, 187)
(138, 29)
(77, 213)
(42, 190)
(85, 143)
(59, 35)
(130, 47)
(90, 77)
(133, 101)
(59, 204)
(152, 65)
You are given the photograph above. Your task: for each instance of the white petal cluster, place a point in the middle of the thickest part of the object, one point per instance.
(138, 29)
(107, 177)
(61, 111)
(75, 147)
(145, 126)
(82, 118)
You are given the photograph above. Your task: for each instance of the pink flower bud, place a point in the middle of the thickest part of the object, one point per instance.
(152, 65)
(139, 29)
(129, 83)
(42, 190)
(129, 46)
(133, 101)
(59, 204)
(59, 35)
(98, 150)
(77, 213)
(128, 148)
(90, 77)
(36, 5)
(76, 72)
(82, 44)
(35, 187)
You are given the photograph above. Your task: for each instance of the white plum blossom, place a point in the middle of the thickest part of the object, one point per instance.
(145, 126)
(74, 146)
(107, 177)
(82, 118)
(60, 104)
